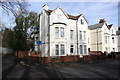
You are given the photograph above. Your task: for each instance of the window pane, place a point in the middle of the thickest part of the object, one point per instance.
(113, 40)
(105, 39)
(81, 49)
(84, 32)
(80, 35)
(62, 32)
(57, 49)
(85, 49)
(71, 34)
(82, 21)
(62, 49)
(56, 31)
(59, 17)
(71, 48)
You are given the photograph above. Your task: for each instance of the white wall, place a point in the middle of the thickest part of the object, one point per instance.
(119, 43)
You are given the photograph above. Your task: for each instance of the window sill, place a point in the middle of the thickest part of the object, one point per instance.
(60, 38)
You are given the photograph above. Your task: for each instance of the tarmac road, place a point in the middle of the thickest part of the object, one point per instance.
(106, 69)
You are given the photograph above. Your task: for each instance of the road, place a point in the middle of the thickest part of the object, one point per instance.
(106, 69)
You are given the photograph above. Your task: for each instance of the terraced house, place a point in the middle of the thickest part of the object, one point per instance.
(103, 37)
(62, 34)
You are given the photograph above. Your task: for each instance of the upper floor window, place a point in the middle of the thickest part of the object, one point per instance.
(112, 30)
(105, 39)
(80, 35)
(82, 22)
(59, 32)
(59, 17)
(62, 32)
(108, 39)
(113, 39)
(84, 35)
(56, 31)
(71, 34)
(71, 48)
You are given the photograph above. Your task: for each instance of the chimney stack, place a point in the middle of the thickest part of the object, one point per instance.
(45, 7)
(118, 28)
(102, 21)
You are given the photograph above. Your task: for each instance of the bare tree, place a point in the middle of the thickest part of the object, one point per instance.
(14, 6)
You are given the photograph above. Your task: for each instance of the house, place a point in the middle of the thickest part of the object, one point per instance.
(118, 34)
(103, 37)
(62, 34)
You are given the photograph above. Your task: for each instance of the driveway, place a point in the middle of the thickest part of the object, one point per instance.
(105, 69)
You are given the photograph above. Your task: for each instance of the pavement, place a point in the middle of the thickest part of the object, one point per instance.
(108, 68)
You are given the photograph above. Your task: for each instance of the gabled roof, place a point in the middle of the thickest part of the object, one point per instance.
(99, 25)
(109, 26)
(68, 15)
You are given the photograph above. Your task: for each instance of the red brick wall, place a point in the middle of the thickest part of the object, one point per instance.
(94, 57)
(95, 53)
(59, 59)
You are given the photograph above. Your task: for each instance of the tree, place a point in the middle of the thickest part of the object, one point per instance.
(14, 6)
(23, 24)
(7, 38)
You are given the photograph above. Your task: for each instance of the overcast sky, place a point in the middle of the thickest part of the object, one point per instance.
(93, 11)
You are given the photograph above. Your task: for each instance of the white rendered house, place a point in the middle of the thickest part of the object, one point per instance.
(62, 34)
(103, 37)
(118, 34)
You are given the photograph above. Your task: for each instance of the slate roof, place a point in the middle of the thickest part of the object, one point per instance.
(99, 25)
(69, 16)
(109, 26)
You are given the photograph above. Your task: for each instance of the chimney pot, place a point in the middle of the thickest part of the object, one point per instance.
(102, 21)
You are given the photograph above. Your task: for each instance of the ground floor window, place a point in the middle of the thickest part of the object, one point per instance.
(71, 49)
(57, 49)
(113, 49)
(83, 49)
(60, 49)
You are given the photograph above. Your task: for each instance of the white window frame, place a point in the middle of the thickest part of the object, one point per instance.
(80, 35)
(82, 21)
(85, 49)
(105, 39)
(60, 32)
(59, 17)
(71, 49)
(57, 49)
(71, 34)
(81, 49)
(57, 32)
(84, 35)
(113, 40)
(60, 50)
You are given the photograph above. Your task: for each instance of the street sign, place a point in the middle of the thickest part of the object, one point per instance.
(38, 42)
